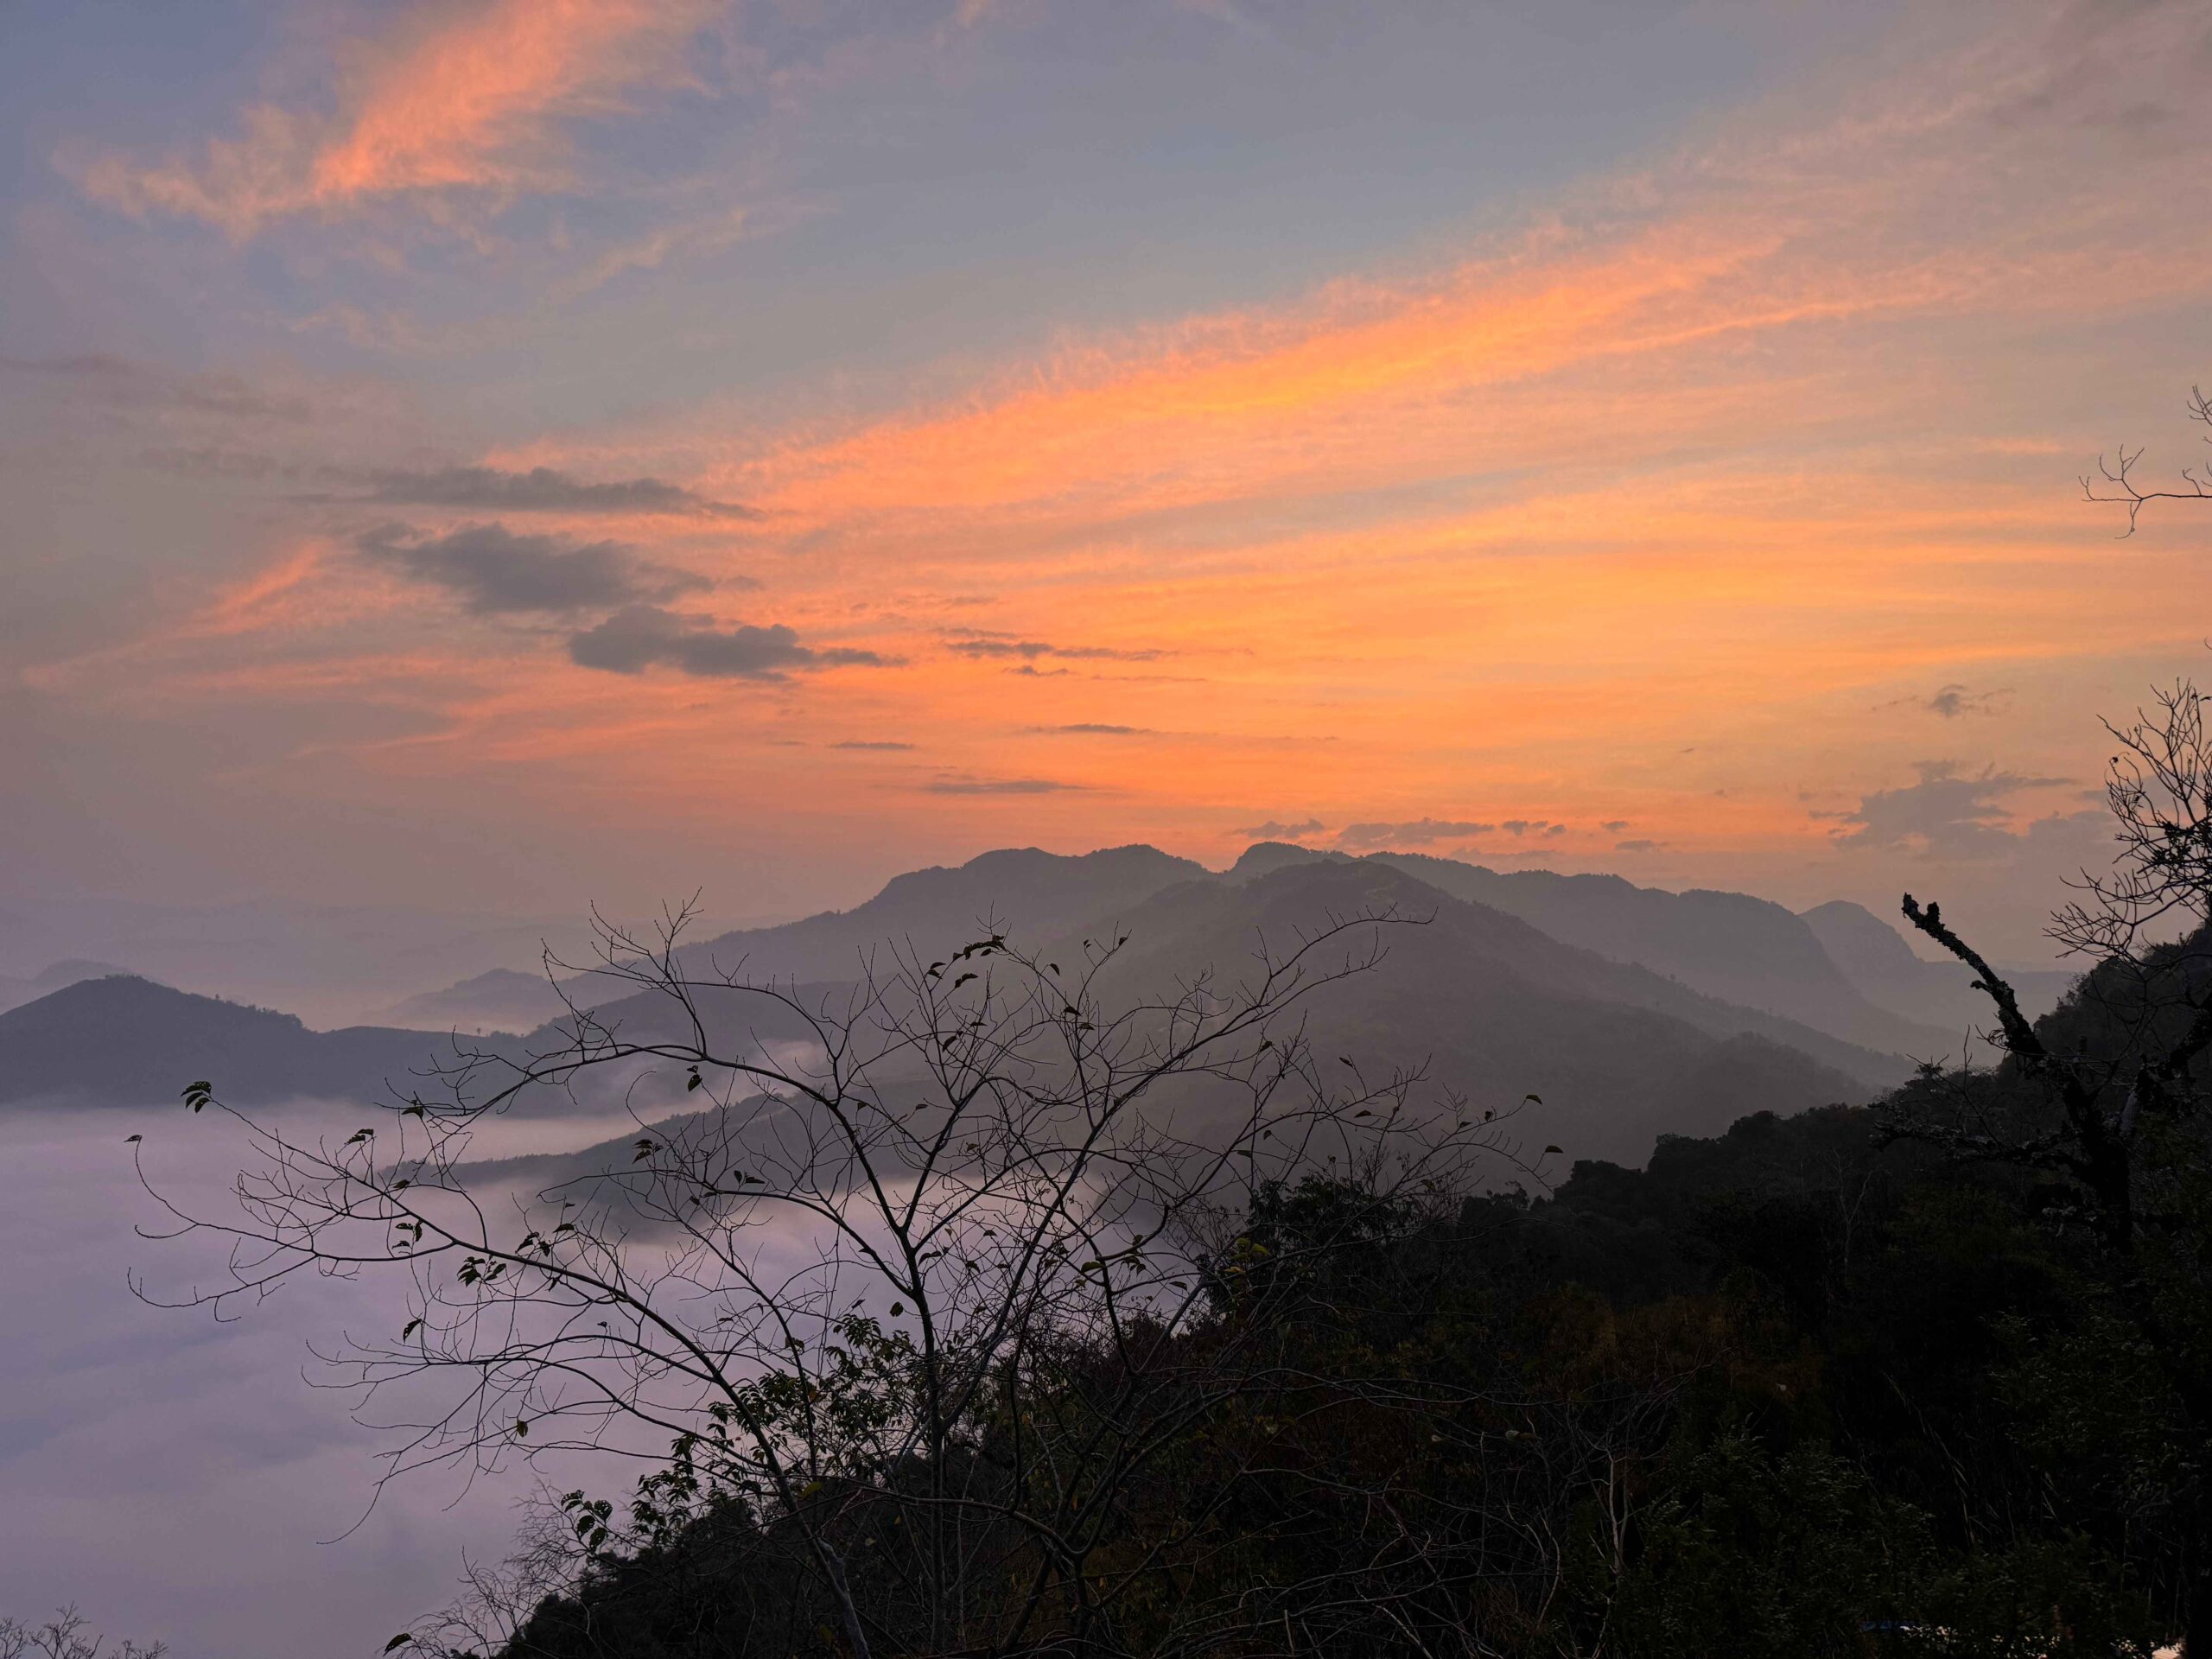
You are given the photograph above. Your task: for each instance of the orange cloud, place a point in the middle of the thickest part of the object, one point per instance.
(1635, 515)
(472, 103)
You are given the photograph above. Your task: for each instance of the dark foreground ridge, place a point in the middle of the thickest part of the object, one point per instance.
(1787, 1389)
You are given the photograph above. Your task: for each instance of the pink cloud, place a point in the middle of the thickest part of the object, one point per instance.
(473, 104)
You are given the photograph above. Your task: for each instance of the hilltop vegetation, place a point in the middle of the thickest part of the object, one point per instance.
(1786, 1390)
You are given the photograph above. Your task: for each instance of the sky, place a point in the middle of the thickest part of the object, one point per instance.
(507, 455)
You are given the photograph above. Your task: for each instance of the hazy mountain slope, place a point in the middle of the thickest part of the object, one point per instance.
(1620, 1052)
(1035, 894)
(1617, 1052)
(128, 1041)
(1877, 959)
(1744, 950)
(501, 1000)
(17, 990)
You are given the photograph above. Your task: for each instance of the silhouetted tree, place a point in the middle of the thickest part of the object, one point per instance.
(2115, 482)
(65, 1636)
(944, 1322)
(2101, 1106)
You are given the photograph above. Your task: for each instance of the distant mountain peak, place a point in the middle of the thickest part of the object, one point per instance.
(1264, 857)
(73, 969)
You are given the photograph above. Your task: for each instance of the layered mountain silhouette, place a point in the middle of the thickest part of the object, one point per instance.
(1886, 971)
(1485, 1004)
(1629, 1011)
(1042, 895)
(122, 1040)
(1497, 1010)
(500, 1000)
(1728, 945)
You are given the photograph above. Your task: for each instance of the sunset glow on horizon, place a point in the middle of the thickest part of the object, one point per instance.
(534, 453)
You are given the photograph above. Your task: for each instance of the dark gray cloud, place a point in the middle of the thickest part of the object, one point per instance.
(497, 572)
(1089, 728)
(118, 380)
(213, 460)
(1637, 846)
(1030, 649)
(870, 743)
(1947, 813)
(1418, 833)
(996, 786)
(1952, 700)
(544, 490)
(640, 636)
(1614, 826)
(1273, 831)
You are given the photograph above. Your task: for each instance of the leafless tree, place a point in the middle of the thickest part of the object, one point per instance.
(2159, 790)
(2111, 1115)
(2115, 483)
(939, 1270)
(64, 1637)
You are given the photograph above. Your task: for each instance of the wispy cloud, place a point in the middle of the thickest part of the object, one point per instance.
(119, 380)
(473, 101)
(1448, 518)
(703, 234)
(541, 489)
(1030, 649)
(1419, 832)
(998, 786)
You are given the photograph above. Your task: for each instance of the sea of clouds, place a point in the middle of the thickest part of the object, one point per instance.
(179, 1478)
